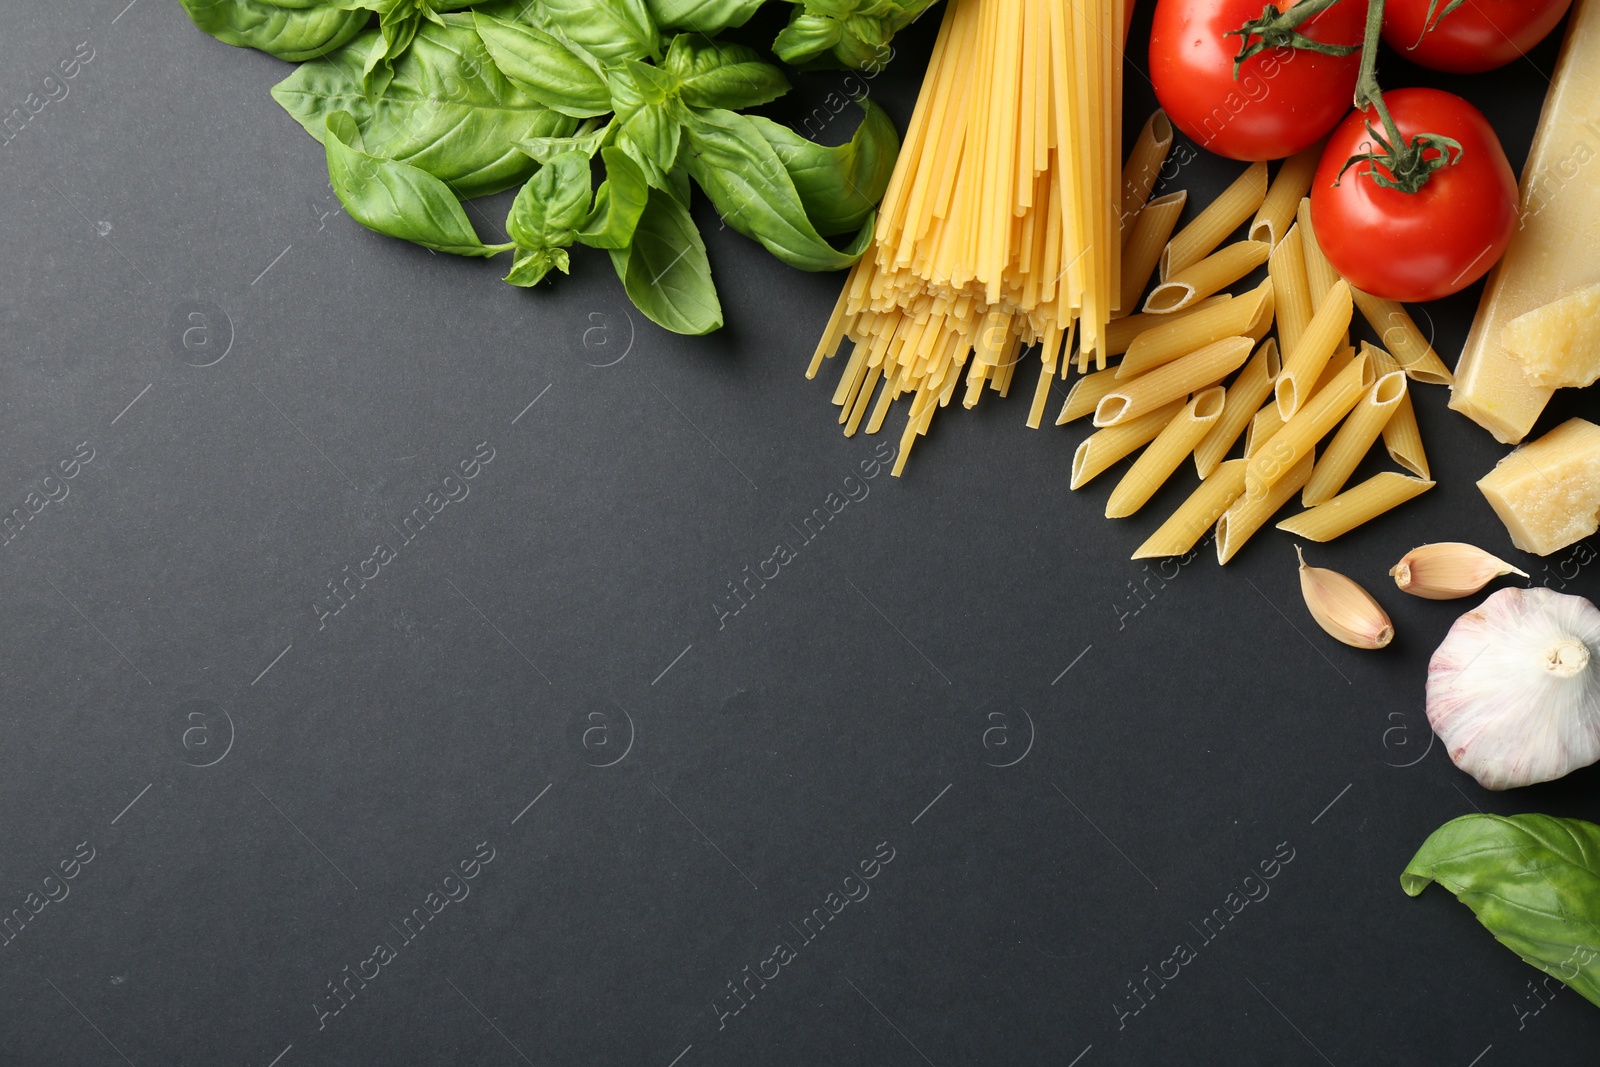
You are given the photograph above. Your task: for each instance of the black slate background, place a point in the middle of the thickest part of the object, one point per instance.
(1070, 777)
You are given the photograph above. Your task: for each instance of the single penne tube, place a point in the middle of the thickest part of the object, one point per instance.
(1254, 507)
(1309, 425)
(1143, 167)
(1354, 439)
(1085, 394)
(1319, 272)
(1172, 336)
(1336, 365)
(1401, 435)
(1286, 266)
(1341, 514)
(1197, 514)
(1292, 182)
(1303, 364)
(1102, 448)
(1166, 453)
(1244, 398)
(1399, 334)
(1199, 280)
(1142, 248)
(1120, 333)
(1206, 232)
(1263, 425)
(1266, 312)
(1187, 374)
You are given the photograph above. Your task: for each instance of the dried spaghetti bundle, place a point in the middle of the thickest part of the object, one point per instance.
(1000, 226)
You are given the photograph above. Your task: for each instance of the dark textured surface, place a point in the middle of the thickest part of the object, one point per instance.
(957, 672)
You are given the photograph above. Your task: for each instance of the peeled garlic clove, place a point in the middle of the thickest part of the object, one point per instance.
(1342, 608)
(1514, 690)
(1448, 570)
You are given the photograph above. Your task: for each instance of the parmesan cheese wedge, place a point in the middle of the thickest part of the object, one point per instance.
(1557, 246)
(1548, 492)
(1558, 345)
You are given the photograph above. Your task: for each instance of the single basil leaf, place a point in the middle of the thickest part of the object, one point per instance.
(841, 185)
(1533, 880)
(552, 205)
(528, 268)
(618, 203)
(587, 139)
(447, 109)
(806, 38)
(665, 270)
(609, 29)
(635, 85)
(292, 33)
(702, 16)
(395, 198)
(719, 74)
(752, 192)
(558, 75)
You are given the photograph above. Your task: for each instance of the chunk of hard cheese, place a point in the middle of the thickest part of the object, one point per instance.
(1559, 344)
(1557, 246)
(1548, 491)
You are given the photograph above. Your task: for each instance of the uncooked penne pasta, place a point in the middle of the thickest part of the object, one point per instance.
(1166, 453)
(1196, 515)
(1199, 280)
(1266, 313)
(1253, 508)
(1303, 364)
(1351, 508)
(1188, 374)
(1143, 167)
(1319, 272)
(1336, 365)
(1142, 248)
(1399, 334)
(1206, 232)
(1184, 332)
(1085, 394)
(1289, 185)
(1354, 439)
(1245, 395)
(1263, 426)
(1308, 426)
(1401, 436)
(1120, 333)
(1102, 448)
(1286, 266)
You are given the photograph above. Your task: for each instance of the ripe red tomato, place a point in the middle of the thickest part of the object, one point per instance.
(1422, 245)
(1284, 100)
(1478, 35)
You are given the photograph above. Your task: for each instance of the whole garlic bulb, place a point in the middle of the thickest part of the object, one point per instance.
(1514, 689)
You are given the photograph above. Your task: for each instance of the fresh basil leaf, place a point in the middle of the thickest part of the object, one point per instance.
(293, 33)
(528, 268)
(557, 74)
(849, 33)
(665, 270)
(609, 29)
(552, 205)
(618, 203)
(719, 74)
(447, 110)
(587, 139)
(1533, 880)
(395, 198)
(744, 178)
(839, 186)
(702, 16)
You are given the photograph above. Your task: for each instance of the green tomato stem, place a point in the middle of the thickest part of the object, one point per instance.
(1279, 29)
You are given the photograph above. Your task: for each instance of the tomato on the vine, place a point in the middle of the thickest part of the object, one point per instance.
(1284, 100)
(1418, 245)
(1478, 35)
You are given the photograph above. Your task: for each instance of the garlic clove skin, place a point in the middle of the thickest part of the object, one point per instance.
(1448, 570)
(1514, 689)
(1347, 612)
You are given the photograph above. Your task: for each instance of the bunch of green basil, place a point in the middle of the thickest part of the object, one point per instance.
(442, 101)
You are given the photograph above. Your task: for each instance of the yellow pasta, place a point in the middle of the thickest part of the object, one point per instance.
(1336, 365)
(1286, 266)
(1401, 436)
(1102, 448)
(1195, 515)
(1181, 333)
(1354, 439)
(1199, 280)
(1085, 394)
(1206, 232)
(1170, 448)
(1319, 272)
(1308, 425)
(1266, 422)
(1303, 364)
(1399, 334)
(1143, 167)
(1343, 513)
(1120, 333)
(1244, 397)
(1289, 185)
(1145, 241)
(1191, 373)
(1255, 506)
(1266, 313)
